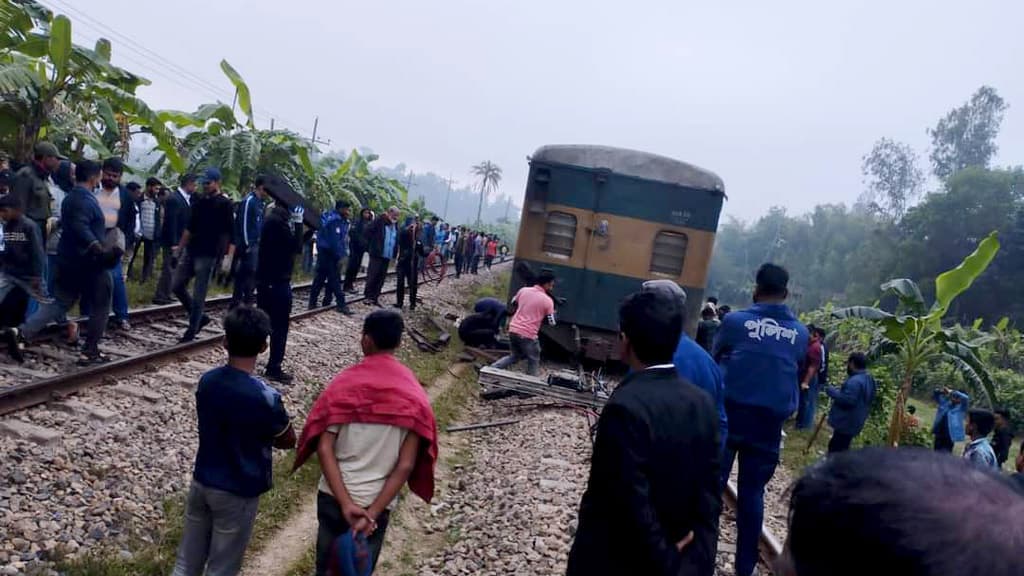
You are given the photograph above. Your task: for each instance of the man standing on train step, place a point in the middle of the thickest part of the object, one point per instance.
(533, 305)
(759, 351)
(653, 498)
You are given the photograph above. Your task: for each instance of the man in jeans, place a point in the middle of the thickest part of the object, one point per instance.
(248, 224)
(759, 351)
(83, 266)
(240, 418)
(533, 305)
(207, 238)
(177, 210)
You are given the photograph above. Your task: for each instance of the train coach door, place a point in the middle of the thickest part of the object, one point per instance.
(599, 256)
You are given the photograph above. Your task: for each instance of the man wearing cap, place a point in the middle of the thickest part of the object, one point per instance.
(330, 242)
(31, 184)
(653, 498)
(248, 225)
(205, 242)
(84, 261)
(176, 214)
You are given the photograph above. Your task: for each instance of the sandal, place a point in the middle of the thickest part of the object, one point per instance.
(13, 341)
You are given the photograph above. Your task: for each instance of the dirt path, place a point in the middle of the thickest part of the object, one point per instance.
(296, 537)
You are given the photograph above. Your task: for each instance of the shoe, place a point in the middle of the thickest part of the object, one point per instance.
(399, 306)
(204, 322)
(278, 376)
(186, 337)
(162, 301)
(350, 290)
(13, 340)
(121, 325)
(92, 358)
(345, 311)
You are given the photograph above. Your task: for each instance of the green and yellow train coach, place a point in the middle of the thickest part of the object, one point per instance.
(606, 219)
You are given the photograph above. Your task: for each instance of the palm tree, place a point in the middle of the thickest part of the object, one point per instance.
(490, 175)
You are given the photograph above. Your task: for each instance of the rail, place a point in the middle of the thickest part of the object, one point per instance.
(770, 547)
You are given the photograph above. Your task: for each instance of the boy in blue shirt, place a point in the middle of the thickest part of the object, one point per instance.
(759, 351)
(979, 451)
(240, 419)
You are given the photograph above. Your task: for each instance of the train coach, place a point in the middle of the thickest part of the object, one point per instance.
(604, 220)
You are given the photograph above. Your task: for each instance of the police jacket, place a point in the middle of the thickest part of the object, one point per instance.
(654, 478)
(330, 238)
(248, 221)
(851, 404)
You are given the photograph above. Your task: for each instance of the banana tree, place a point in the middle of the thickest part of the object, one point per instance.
(915, 335)
(356, 180)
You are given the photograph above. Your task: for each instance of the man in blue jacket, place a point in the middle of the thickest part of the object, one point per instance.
(330, 243)
(248, 225)
(83, 267)
(948, 427)
(759, 351)
(851, 404)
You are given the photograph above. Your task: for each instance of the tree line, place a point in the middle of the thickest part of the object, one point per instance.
(841, 254)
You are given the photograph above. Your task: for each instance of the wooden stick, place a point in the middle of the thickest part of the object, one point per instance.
(817, 429)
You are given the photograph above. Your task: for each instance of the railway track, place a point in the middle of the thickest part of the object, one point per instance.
(50, 372)
(770, 546)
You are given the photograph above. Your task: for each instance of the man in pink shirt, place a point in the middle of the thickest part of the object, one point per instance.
(533, 305)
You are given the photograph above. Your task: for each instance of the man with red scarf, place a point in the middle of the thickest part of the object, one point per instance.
(374, 430)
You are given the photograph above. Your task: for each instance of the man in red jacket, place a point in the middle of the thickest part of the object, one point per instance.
(373, 430)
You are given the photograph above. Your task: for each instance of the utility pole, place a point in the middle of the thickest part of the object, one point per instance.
(447, 196)
(271, 124)
(507, 206)
(314, 141)
(408, 181)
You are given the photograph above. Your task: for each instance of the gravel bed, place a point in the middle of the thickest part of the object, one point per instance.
(513, 509)
(104, 483)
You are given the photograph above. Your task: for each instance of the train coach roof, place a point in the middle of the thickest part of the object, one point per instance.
(631, 163)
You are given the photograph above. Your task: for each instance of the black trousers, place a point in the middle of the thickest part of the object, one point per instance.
(275, 298)
(163, 284)
(149, 249)
(13, 307)
(840, 442)
(407, 277)
(943, 443)
(327, 272)
(375, 274)
(475, 265)
(332, 524)
(245, 275)
(458, 264)
(355, 262)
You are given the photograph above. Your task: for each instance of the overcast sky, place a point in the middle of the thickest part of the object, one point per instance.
(781, 99)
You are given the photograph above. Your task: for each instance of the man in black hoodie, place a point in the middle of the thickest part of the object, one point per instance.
(356, 249)
(280, 241)
(21, 262)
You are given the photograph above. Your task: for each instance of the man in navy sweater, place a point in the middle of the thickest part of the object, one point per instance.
(330, 243)
(248, 225)
(759, 351)
(851, 404)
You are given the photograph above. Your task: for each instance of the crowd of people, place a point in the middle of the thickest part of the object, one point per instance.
(77, 233)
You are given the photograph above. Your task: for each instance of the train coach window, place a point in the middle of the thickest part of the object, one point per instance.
(560, 234)
(669, 253)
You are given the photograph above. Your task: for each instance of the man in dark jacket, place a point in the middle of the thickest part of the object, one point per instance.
(851, 404)
(177, 212)
(248, 224)
(759, 351)
(21, 262)
(707, 328)
(653, 498)
(206, 241)
(356, 249)
(410, 253)
(1002, 436)
(31, 184)
(330, 243)
(83, 267)
(280, 241)
(382, 244)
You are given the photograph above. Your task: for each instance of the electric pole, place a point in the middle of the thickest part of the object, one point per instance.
(446, 197)
(314, 141)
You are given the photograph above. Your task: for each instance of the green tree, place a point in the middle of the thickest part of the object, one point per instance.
(489, 174)
(892, 178)
(916, 337)
(966, 136)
